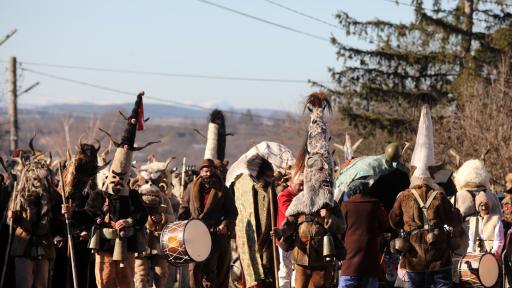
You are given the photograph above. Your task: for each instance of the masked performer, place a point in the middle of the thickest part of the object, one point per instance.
(313, 214)
(79, 179)
(152, 186)
(36, 220)
(422, 211)
(116, 212)
(253, 198)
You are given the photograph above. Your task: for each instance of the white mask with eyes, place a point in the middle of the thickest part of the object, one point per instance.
(118, 177)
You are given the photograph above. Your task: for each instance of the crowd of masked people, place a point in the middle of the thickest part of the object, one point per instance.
(274, 219)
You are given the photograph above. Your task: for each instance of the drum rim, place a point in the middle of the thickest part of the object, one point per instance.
(499, 272)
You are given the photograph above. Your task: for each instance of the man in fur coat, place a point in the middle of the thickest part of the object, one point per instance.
(422, 211)
(151, 186)
(253, 196)
(313, 214)
(209, 200)
(116, 212)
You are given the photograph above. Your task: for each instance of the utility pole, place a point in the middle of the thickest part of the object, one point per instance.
(13, 106)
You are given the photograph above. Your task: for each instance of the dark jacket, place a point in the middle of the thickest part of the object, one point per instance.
(407, 215)
(119, 207)
(366, 220)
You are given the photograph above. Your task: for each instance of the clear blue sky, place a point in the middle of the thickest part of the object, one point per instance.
(177, 36)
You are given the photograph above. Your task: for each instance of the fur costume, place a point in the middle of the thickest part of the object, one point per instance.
(318, 171)
(471, 178)
(36, 217)
(305, 230)
(429, 243)
(152, 186)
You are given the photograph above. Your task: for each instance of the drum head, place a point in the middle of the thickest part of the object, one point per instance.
(197, 239)
(489, 270)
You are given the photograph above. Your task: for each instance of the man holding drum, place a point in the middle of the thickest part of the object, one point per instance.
(209, 200)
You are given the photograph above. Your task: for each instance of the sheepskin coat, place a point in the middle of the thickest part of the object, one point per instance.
(407, 215)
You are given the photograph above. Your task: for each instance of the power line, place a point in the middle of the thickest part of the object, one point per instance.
(165, 74)
(302, 14)
(119, 91)
(265, 21)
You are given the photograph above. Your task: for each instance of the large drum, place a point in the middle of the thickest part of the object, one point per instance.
(477, 270)
(186, 241)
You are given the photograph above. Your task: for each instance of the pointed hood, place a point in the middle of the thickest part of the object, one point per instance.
(216, 138)
(119, 174)
(318, 170)
(423, 154)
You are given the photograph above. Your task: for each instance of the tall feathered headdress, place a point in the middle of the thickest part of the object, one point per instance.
(318, 171)
(423, 155)
(216, 138)
(117, 180)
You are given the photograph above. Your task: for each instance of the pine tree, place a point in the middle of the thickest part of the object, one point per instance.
(419, 62)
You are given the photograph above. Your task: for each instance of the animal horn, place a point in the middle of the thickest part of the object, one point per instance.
(31, 144)
(407, 145)
(68, 154)
(169, 161)
(147, 144)
(110, 136)
(355, 146)
(482, 157)
(101, 167)
(99, 145)
(338, 146)
(3, 164)
(456, 155)
(50, 159)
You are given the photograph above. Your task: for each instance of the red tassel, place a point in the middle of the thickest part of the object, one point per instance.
(140, 121)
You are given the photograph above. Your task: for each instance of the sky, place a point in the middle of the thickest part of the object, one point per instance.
(176, 36)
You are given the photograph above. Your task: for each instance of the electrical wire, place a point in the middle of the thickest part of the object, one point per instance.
(302, 14)
(265, 21)
(123, 92)
(164, 74)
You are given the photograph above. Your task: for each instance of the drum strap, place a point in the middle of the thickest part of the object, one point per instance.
(424, 206)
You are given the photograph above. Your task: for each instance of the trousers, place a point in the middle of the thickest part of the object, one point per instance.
(31, 273)
(110, 273)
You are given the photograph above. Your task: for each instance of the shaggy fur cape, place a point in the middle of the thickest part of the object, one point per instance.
(318, 170)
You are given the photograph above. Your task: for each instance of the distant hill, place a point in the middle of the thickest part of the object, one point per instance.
(151, 110)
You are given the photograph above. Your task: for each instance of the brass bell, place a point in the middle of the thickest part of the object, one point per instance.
(94, 242)
(120, 250)
(329, 251)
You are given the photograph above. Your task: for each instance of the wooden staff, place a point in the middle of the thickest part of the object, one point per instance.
(274, 247)
(68, 229)
(183, 167)
(11, 233)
